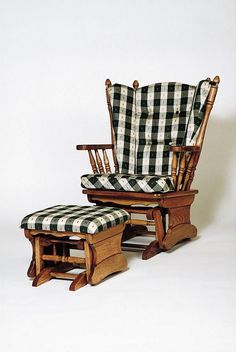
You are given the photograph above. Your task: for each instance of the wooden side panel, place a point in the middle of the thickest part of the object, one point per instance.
(178, 234)
(107, 248)
(107, 267)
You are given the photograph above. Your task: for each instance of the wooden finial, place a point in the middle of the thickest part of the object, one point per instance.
(216, 79)
(107, 83)
(135, 84)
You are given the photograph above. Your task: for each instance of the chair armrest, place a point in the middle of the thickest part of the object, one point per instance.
(95, 157)
(183, 164)
(94, 146)
(184, 148)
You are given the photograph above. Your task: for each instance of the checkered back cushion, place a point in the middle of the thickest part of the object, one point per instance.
(160, 114)
(75, 218)
(123, 115)
(198, 110)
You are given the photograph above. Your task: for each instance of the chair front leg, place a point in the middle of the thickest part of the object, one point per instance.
(179, 224)
(156, 246)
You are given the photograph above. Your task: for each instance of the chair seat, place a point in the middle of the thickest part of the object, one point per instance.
(128, 183)
(75, 218)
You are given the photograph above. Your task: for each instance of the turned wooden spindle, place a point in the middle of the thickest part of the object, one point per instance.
(174, 167)
(135, 84)
(108, 85)
(209, 104)
(190, 167)
(182, 165)
(106, 161)
(54, 249)
(199, 142)
(191, 177)
(99, 162)
(116, 166)
(92, 162)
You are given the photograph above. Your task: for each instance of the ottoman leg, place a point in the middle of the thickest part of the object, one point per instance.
(31, 272)
(104, 258)
(79, 281)
(43, 276)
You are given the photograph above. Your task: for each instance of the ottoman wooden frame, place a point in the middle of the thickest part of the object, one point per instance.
(52, 259)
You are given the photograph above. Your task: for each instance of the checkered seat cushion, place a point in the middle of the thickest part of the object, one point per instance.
(128, 183)
(74, 218)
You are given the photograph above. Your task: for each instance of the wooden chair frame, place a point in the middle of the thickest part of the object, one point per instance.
(172, 206)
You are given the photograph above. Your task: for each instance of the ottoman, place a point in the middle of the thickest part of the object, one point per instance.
(58, 231)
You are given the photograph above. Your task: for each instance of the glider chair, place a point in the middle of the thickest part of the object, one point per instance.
(157, 133)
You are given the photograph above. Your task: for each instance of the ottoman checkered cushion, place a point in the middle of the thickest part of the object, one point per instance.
(128, 183)
(75, 218)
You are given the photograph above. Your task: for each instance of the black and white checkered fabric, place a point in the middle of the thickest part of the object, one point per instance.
(197, 113)
(146, 121)
(75, 218)
(128, 183)
(123, 116)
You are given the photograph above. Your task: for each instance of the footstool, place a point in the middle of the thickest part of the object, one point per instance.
(54, 232)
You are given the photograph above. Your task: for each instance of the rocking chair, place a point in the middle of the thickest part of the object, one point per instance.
(157, 133)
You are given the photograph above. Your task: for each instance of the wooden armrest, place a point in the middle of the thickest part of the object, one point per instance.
(94, 146)
(184, 148)
(95, 157)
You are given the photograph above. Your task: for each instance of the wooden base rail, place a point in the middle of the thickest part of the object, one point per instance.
(62, 259)
(141, 222)
(133, 247)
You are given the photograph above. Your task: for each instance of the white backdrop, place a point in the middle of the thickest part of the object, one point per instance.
(55, 57)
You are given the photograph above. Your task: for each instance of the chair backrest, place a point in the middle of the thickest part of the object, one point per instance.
(146, 120)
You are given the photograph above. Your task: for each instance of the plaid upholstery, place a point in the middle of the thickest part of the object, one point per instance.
(197, 113)
(74, 218)
(123, 115)
(128, 183)
(145, 122)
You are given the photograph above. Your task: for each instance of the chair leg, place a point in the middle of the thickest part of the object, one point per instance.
(180, 227)
(79, 281)
(31, 272)
(156, 246)
(43, 276)
(151, 250)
